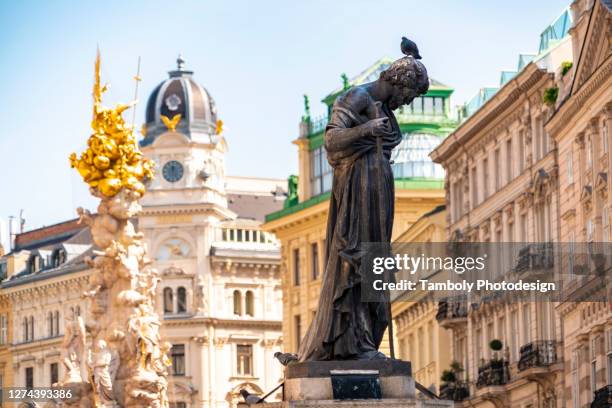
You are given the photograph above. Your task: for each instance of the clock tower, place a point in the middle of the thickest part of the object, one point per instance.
(220, 295)
(181, 137)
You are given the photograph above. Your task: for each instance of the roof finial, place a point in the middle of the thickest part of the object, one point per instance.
(180, 62)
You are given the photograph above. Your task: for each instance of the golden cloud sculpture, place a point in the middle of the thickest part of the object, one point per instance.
(112, 160)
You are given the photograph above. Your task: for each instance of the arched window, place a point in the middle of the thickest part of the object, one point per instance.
(237, 303)
(181, 297)
(168, 301)
(250, 304)
(50, 325)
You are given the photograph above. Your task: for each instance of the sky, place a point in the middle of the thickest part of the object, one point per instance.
(256, 58)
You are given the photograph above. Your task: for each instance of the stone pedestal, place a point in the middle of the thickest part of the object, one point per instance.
(311, 381)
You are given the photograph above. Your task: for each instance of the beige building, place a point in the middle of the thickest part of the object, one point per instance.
(219, 295)
(301, 225)
(581, 130)
(502, 187)
(419, 337)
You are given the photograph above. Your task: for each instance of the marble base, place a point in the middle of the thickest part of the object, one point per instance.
(311, 381)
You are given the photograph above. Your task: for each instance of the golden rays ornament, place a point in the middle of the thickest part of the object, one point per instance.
(112, 160)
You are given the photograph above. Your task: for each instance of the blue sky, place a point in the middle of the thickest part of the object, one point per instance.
(256, 58)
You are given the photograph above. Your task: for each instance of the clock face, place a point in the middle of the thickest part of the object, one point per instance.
(172, 171)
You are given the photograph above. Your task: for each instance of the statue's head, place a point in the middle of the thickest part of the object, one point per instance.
(408, 79)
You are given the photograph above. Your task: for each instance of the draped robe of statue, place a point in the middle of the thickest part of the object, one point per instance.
(345, 327)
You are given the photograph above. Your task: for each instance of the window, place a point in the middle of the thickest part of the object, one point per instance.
(321, 172)
(178, 359)
(485, 178)
(514, 347)
(589, 153)
(474, 182)
(526, 324)
(411, 157)
(296, 267)
(244, 359)
(575, 383)
(168, 301)
(314, 253)
(28, 328)
(29, 377)
(521, 147)
(237, 303)
(604, 137)
(498, 181)
(569, 159)
(428, 106)
(53, 373)
(509, 161)
(25, 329)
(57, 319)
(589, 230)
(50, 326)
(250, 304)
(297, 324)
(3, 329)
(181, 295)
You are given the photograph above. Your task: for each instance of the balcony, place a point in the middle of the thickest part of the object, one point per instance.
(535, 257)
(458, 391)
(541, 353)
(451, 313)
(603, 397)
(493, 373)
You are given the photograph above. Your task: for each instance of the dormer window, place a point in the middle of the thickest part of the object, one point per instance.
(58, 257)
(35, 263)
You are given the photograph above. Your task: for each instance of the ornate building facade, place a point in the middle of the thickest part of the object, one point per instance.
(523, 167)
(419, 337)
(219, 295)
(301, 225)
(581, 127)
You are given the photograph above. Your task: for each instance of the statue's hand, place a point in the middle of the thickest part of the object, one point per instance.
(379, 127)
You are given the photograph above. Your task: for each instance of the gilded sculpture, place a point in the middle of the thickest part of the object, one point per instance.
(126, 364)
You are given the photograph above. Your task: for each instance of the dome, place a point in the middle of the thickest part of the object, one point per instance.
(180, 94)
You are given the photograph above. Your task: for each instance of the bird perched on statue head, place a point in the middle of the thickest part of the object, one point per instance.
(409, 47)
(249, 398)
(285, 358)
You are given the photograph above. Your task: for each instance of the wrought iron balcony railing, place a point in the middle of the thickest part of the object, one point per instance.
(457, 391)
(539, 353)
(535, 257)
(603, 397)
(451, 310)
(493, 372)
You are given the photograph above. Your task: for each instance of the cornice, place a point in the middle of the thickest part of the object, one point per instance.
(578, 101)
(488, 115)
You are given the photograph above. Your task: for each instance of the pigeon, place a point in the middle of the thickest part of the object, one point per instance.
(285, 358)
(249, 398)
(410, 48)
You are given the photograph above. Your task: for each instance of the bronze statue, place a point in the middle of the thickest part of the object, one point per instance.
(361, 133)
